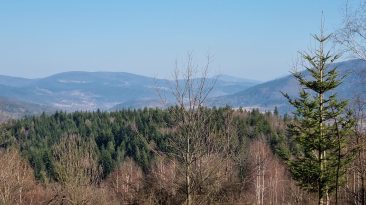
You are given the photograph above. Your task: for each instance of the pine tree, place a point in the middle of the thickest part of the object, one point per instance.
(321, 127)
(275, 112)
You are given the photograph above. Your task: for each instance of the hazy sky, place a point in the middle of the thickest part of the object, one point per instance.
(256, 39)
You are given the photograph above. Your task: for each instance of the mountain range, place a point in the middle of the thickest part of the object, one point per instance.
(268, 95)
(71, 91)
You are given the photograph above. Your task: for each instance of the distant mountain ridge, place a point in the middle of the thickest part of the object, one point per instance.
(267, 95)
(78, 90)
(10, 109)
(229, 78)
(86, 91)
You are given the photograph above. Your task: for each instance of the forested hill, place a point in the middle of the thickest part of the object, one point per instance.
(138, 134)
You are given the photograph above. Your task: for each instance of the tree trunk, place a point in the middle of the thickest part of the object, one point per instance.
(188, 172)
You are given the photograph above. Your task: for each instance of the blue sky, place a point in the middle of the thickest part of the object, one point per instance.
(249, 39)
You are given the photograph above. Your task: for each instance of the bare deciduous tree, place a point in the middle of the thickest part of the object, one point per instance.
(352, 36)
(260, 156)
(271, 182)
(162, 183)
(355, 187)
(193, 138)
(353, 33)
(16, 177)
(77, 170)
(126, 181)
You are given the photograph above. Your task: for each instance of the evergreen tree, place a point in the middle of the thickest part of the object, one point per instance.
(275, 112)
(321, 127)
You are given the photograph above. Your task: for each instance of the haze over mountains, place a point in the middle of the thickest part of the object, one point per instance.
(267, 95)
(72, 91)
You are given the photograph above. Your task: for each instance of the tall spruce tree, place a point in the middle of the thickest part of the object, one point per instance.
(322, 125)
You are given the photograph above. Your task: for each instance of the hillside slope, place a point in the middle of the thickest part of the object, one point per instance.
(100, 90)
(268, 95)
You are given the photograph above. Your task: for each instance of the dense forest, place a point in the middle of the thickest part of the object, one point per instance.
(189, 153)
(128, 157)
(137, 134)
(193, 154)
(141, 138)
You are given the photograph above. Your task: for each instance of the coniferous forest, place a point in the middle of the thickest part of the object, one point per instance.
(188, 151)
(128, 154)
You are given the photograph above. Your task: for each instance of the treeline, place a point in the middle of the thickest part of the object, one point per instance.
(122, 153)
(137, 134)
(191, 154)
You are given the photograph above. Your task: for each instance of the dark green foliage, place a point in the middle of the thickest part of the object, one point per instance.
(275, 112)
(320, 126)
(138, 134)
(116, 134)
(106, 162)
